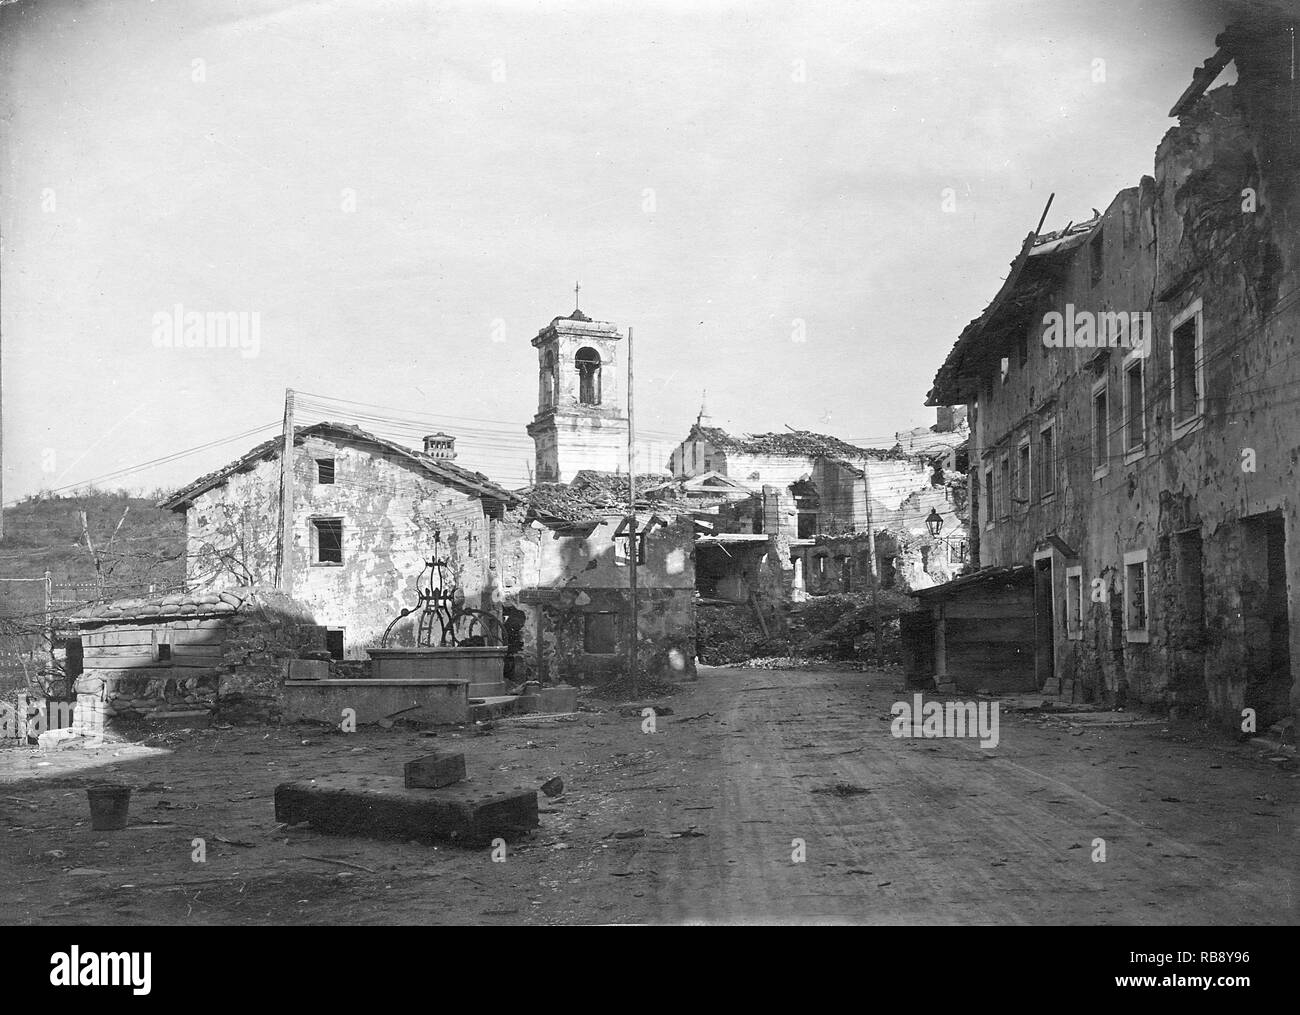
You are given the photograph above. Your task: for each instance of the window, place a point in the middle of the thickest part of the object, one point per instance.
(1095, 260)
(1022, 349)
(990, 506)
(807, 503)
(1047, 460)
(1100, 430)
(325, 471)
(600, 633)
(1135, 433)
(1074, 603)
(1135, 596)
(334, 642)
(164, 653)
(1004, 369)
(1024, 475)
(1187, 370)
(327, 541)
(1004, 487)
(819, 568)
(587, 363)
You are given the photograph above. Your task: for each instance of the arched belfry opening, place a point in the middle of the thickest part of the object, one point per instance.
(587, 362)
(548, 378)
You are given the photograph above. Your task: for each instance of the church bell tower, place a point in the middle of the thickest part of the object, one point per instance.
(581, 422)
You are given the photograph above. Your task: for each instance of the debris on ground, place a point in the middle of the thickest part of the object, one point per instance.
(843, 789)
(553, 787)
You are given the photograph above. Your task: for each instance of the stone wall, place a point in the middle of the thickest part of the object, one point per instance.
(390, 511)
(236, 674)
(556, 577)
(1215, 228)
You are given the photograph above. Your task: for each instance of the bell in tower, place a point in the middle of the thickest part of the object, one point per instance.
(580, 422)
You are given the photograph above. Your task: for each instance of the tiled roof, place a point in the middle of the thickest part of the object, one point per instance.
(195, 604)
(440, 468)
(791, 444)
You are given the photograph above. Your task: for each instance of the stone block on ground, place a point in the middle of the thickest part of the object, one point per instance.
(381, 807)
(433, 771)
(561, 698)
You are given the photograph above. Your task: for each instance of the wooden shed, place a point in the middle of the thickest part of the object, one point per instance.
(981, 628)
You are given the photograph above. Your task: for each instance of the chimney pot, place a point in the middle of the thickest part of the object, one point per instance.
(440, 445)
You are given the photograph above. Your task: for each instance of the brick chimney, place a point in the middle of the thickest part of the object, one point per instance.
(945, 421)
(440, 445)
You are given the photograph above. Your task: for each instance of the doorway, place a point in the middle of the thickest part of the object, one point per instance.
(1266, 618)
(1044, 631)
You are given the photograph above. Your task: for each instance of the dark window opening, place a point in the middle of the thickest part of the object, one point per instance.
(1187, 395)
(334, 642)
(1135, 424)
(1100, 430)
(329, 540)
(325, 470)
(1047, 455)
(1022, 349)
(600, 633)
(587, 363)
(164, 653)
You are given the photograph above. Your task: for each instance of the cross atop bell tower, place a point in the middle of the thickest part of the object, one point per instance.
(580, 421)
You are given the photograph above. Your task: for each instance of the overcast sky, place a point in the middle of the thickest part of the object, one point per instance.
(405, 192)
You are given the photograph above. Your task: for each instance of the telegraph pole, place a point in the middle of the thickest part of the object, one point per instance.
(631, 516)
(875, 574)
(284, 564)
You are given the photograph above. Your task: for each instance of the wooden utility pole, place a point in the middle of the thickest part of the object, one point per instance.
(875, 573)
(632, 546)
(284, 563)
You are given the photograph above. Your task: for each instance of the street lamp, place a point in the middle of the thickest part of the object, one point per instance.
(934, 522)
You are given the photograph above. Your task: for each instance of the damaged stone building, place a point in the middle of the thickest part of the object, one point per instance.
(1135, 468)
(369, 513)
(806, 501)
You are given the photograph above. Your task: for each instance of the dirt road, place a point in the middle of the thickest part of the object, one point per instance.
(697, 821)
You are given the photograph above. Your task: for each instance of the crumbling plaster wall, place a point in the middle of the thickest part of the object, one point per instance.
(1183, 236)
(558, 576)
(390, 510)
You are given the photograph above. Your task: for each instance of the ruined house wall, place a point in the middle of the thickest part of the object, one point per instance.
(390, 511)
(558, 577)
(1179, 238)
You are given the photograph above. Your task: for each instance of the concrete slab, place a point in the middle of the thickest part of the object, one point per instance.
(381, 807)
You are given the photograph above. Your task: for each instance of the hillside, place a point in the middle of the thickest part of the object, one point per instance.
(45, 533)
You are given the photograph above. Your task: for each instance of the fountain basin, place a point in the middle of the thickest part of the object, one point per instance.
(482, 666)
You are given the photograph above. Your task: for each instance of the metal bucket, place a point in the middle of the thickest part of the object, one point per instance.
(108, 807)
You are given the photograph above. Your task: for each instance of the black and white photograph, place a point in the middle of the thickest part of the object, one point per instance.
(523, 463)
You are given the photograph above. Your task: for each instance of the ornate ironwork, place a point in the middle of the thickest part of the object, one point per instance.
(440, 604)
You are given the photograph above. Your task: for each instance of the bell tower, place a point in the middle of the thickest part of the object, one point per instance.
(581, 422)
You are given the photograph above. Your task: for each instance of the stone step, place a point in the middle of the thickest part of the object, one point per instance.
(381, 807)
(493, 707)
(488, 690)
